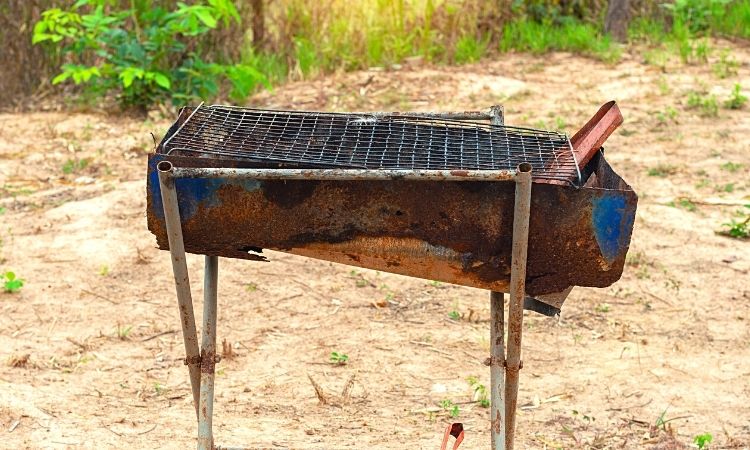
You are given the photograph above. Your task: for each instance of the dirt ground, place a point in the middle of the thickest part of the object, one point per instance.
(91, 345)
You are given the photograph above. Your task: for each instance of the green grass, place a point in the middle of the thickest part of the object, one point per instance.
(662, 170)
(732, 166)
(572, 36)
(735, 21)
(706, 104)
(75, 165)
(470, 49)
(736, 100)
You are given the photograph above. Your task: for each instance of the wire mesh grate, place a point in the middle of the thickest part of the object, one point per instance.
(369, 141)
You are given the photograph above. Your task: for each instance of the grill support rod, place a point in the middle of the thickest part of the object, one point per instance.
(208, 353)
(519, 254)
(497, 371)
(181, 281)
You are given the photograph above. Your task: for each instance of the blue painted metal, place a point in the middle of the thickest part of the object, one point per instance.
(612, 221)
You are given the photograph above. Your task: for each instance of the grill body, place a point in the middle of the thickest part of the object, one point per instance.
(455, 232)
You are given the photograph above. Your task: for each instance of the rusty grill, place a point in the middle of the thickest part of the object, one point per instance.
(440, 196)
(370, 141)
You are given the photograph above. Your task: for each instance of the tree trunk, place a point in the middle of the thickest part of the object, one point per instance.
(616, 22)
(259, 28)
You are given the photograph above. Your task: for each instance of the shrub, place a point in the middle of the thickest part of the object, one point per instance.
(144, 54)
(697, 15)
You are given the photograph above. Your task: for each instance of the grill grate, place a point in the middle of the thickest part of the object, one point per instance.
(369, 141)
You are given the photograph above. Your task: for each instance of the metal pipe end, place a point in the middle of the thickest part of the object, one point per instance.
(524, 167)
(164, 166)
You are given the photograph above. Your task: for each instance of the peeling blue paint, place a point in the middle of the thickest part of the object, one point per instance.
(612, 221)
(192, 193)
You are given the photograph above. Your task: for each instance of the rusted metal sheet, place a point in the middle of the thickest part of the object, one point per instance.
(455, 232)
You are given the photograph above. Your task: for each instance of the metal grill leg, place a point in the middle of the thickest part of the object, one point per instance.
(181, 279)
(497, 371)
(208, 354)
(521, 214)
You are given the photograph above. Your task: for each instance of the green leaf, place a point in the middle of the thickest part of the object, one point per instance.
(162, 80)
(10, 276)
(130, 74)
(205, 16)
(60, 78)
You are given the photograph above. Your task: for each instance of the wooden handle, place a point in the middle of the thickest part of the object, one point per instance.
(589, 139)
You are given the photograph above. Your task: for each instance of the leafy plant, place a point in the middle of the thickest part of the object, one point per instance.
(726, 66)
(736, 100)
(454, 315)
(75, 165)
(452, 409)
(480, 392)
(668, 115)
(702, 440)
(339, 358)
(123, 332)
(144, 54)
(707, 105)
(11, 283)
(731, 166)
(738, 229)
(696, 15)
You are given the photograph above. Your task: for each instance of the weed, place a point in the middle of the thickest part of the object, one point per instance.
(470, 49)
(454, 315)
(480, 392)
(702, 51)
(731, 167)
(728, 188)
(684, 203)
(159, 388)
(104, 270)
(738, 229)
(736, 99)
(123, 332)
(435, 284)
(11, 283)
(452, 409)
(602, 308)
(251, 287)
(339, 358)
(584, 417)
(702, 183)
(662, 170)
(2, 210)
(668, 115)
(726, 66)
(75, 165)
(707, 104)
(702, 440)
(657, 57)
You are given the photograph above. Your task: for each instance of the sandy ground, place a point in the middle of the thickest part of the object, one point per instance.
(91, 345)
